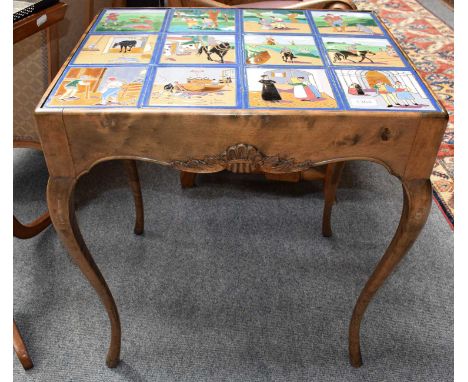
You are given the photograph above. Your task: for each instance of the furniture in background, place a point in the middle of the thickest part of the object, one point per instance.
(36, 62)
(298, 4)
(165, 129)
(25, 134)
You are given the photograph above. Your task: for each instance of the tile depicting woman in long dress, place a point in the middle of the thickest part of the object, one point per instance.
(289, 88)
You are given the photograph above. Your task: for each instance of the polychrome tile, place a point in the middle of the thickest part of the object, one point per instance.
(117, 49)
(207, 20)
(350, 51)
(289, 88)
(383, 90)
(199, 49)
(99, 87)
(194, 86)
(275, 21)
(131, 20)
(345, 23)
(281, 50)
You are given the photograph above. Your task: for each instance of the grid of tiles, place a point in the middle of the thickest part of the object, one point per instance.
(231, 58)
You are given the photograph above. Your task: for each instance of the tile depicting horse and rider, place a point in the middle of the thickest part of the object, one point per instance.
(199, 49)
(194, 86)
(209, 20)
(99, 87)
(329, 22)
(131, 20)
(117, 49)
(350, 51)
(275, 21)
(289, 88)
(383, 90)
(281, 50)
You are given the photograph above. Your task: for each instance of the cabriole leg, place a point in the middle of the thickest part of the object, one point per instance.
(61, 207)
(416, 207)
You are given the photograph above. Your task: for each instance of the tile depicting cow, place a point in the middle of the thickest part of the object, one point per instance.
(199, 49)
(117, 49)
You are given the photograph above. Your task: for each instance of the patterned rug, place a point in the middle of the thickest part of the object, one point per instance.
(429, 43)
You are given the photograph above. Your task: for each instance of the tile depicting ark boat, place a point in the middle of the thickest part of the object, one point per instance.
(195, 86)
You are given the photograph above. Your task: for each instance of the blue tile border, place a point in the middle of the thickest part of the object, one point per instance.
(241, 66)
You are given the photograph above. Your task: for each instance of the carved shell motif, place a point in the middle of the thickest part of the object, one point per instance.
(242, 158)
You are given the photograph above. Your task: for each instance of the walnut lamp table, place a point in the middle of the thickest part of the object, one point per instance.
(205, 90)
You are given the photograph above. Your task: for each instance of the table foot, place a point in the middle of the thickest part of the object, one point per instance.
(134, 181)
(332, 179)
(26, 231)
(20, 348)
(60, 192)
(416, 207)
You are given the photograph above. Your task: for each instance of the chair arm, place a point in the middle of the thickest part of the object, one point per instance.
(323, 4)
(202, 3)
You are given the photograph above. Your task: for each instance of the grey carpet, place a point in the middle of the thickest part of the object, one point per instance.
(232, 281)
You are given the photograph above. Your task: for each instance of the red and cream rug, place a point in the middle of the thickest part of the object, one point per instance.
(429, 43)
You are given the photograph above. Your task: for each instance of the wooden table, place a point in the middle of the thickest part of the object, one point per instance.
(319, 87)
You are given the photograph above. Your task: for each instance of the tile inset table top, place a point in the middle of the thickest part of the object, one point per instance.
(239, 59)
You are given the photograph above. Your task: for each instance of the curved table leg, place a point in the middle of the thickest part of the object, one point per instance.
(26, 231)
(332, 179)
(416, 207)
(134, 180)
(20, 348)
(61, 206)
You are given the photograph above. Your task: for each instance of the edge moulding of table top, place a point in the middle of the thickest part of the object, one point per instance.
(239, 140)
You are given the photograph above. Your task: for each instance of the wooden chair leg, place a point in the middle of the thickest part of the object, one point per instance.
(187, 179)
(26, 231)
(20, 348)
(134, 181)
(332, 179)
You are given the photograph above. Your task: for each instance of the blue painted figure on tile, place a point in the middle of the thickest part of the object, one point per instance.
(403, 94)
(111, 90)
